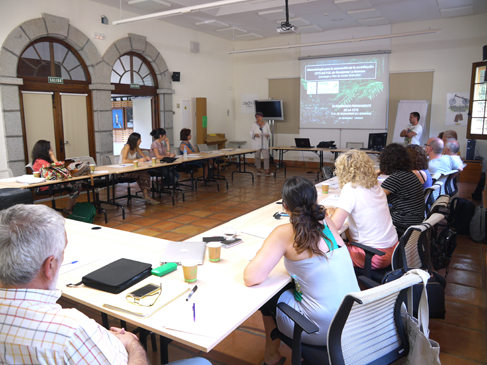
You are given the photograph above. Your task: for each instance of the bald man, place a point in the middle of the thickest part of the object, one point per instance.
(437, 162)
(451, 149)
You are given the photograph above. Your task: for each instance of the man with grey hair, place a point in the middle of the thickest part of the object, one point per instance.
(451, 149)
(437, 161)
(33, 328)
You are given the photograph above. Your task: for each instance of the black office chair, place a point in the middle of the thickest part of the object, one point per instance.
(366, 329)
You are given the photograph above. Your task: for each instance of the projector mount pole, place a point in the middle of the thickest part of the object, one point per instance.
(286, 25)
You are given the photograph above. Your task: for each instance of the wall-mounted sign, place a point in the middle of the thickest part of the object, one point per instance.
(55, 80)
(134, 86)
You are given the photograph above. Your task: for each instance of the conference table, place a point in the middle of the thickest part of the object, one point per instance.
(317, 150)
(222, 301)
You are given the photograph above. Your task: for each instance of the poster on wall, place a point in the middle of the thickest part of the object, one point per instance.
(457, 108)
(248, 103)
(117, 118)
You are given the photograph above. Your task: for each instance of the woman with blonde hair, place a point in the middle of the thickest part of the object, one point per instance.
(364, 202)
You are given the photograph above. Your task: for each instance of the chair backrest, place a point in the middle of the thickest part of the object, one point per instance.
(367, 326)
(440, 204)
(203, 147)
(112, 159)
(451, 183)
(6, 173)
(28, 168)
(88, 159)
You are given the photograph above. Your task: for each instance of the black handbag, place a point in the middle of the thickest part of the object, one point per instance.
(117, 276)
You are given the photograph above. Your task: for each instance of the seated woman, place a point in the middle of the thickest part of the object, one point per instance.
(185, 136)
(129, 155)
(314, 255)
(159, 151)
(364, 202)
(43, 154)
(419, 160)
(404, 191)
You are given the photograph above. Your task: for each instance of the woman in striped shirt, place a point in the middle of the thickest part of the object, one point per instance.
(403, 189)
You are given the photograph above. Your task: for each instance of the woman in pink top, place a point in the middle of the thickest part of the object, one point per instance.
(159, 151)
(43, 154)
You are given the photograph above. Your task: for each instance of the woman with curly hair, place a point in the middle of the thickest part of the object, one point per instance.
(419, 164)
(403, 189)
(364, 202)
(317, 259)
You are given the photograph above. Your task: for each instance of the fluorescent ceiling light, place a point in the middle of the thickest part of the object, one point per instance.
(351, 40)
(188, 9)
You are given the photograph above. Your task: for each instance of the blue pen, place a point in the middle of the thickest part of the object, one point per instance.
(70, 263)
(194, 312)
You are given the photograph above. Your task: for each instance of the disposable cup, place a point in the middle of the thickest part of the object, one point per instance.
(190, 271)
(325, 188)
(37, 174)
(92, 167)
(214, 251)
(154, 160)
(136, 163)
(229, 232)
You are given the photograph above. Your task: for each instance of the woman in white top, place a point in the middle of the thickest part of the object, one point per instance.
(364, 202)
(129, 155)
(260, 134)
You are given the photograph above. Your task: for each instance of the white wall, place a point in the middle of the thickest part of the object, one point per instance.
(450, 54)
(207, 74)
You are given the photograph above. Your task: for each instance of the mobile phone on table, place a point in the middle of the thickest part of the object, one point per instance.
(144, 291)
(231, 242)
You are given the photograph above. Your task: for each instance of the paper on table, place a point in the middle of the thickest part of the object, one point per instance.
(181, 319)
(124, 165)
(100, 172)
(258, 231)
(9, 179)
(29, 179)
(170, 291)
(331, 201)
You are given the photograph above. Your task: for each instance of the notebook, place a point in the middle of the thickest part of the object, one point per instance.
(181, 251)
(302, 143)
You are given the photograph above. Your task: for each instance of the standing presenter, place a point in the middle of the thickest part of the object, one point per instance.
(260, 134)
(412, 134)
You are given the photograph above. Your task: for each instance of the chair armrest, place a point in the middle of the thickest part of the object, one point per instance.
(368, 249)
(369, 283)
(369, 253)
(298, 318)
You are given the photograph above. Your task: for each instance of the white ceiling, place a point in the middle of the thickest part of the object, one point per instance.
(260, 18)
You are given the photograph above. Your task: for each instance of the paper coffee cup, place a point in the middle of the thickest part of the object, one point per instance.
(325, 188)
(190, 271)
(214, 251)
(154, 160)
(92, 167)
(37, 174)
(136, 163)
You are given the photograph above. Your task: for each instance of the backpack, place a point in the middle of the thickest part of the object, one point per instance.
(477, 225)
(461, 213)
(83, 212)
(442, 248)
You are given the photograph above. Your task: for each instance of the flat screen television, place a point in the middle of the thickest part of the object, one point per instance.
(271, 109)
(377, 141)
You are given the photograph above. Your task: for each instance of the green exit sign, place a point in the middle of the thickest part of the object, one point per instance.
(55, 80)
(134, 86)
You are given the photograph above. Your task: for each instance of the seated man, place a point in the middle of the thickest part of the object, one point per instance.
(437, 162)
(33, 328)
(451, 149)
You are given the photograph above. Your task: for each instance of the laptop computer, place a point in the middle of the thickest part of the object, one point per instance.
(181, 251)
(302, 143)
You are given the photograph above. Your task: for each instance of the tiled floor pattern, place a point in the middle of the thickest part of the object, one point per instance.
(462, 335)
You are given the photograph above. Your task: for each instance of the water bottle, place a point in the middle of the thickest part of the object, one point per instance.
(185, 153)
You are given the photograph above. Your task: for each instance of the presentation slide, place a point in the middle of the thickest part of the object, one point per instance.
(345, 93)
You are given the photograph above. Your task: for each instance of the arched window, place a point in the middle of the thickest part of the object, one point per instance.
(49, 57)
(132, 69)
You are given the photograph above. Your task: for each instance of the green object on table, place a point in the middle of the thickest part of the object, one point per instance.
(164, 269)
(205, 122)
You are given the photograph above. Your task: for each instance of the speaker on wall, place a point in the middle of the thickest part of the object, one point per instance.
(176, 76)
(470, 155)
(484, 53)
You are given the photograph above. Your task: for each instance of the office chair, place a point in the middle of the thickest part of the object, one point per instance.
(428, 198)
(6, 173)
(113, 159)
(366, 329)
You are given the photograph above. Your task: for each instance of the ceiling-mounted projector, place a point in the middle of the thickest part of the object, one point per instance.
(287, 29)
